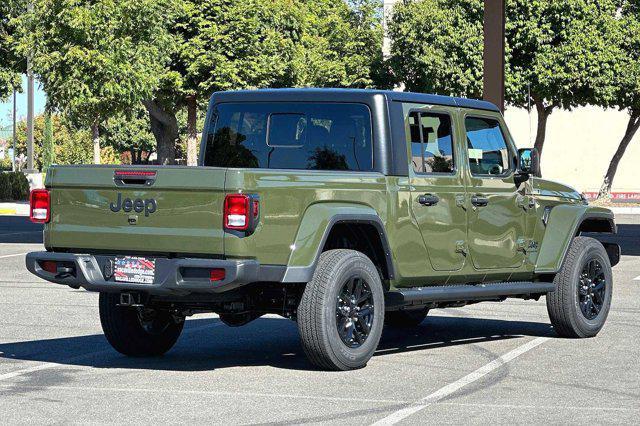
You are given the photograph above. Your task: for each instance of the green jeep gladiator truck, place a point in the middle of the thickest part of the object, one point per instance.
(343, 210)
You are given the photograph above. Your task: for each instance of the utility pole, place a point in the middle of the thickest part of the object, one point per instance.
(13, 157)
(30, 168)
(493, 79)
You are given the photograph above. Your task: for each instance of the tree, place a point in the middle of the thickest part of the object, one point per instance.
(10, 63)
(48, 146)
(72, 145)
(96, 58)
(131, 135)
(557, 54)
(240, 44)
(625, 86)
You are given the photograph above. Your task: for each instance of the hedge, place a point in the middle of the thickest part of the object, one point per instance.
(14, 186)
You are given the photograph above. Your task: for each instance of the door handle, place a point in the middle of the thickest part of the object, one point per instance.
(479, 200)
(428, 200)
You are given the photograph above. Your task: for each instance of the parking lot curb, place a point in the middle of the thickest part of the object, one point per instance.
(625, 210)
(14, 209)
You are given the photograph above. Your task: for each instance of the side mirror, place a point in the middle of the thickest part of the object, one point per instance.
(528, 161)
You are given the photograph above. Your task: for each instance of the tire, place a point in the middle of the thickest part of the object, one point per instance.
(327, 304)
(124, 329)
(565, 305)
(406, 317)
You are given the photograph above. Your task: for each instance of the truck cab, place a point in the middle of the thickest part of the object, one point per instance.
(340, 209)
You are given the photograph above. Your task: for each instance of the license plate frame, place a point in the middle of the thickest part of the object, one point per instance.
(134, 270)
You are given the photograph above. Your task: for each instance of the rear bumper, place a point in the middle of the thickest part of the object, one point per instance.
(177, 276)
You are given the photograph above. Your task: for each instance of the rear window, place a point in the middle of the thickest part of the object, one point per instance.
(281, 135)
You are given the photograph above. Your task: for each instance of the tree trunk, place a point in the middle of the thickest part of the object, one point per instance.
(632, 128)
(192, 132)
(164, 126)
(541, 131)
(95, 135)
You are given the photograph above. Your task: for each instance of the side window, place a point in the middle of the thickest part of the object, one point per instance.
(431, 142)
(487, 147)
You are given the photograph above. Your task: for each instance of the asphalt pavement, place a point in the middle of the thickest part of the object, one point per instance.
(481, 364)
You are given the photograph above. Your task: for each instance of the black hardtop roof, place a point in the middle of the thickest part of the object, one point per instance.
(346, 95)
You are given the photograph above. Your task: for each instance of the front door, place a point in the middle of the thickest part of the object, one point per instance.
(437, 185)
(496, 215)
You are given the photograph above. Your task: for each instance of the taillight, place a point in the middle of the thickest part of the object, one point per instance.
(40, 206)
(50, 266)
(217, 274)
(241, 212)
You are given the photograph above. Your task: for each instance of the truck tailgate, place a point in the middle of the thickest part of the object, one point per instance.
(133, 209)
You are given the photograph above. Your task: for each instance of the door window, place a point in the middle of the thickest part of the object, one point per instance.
(487, 148)
(431, 142)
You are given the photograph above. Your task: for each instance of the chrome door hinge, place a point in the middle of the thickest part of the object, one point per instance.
(460, 200)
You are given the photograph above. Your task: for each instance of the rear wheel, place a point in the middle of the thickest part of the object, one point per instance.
(405, 318)
(137, 332)
(341, 313)
(584, 286)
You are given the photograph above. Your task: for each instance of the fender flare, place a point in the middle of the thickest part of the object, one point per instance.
(565, 221)
(314, 229)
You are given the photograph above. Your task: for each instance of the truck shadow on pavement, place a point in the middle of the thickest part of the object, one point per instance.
(19, 230)
(628, 238)
(207, 344)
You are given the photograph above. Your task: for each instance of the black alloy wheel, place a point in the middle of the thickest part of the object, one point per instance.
(354, 312)
(591, 289)
(580, 304)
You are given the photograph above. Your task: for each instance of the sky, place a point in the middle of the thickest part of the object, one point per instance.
(6, 108)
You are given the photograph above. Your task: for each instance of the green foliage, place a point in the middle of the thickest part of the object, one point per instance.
(95, 58)
(559, 50)
(71, 145)
(10, 63)
(5, 164)
(131, 135)
(14, 186)
(437, 46)
(243, 44)
(564, 50)
(48, 149)
(109, 155)
(624, 88)
(240, 44)
(339, 44)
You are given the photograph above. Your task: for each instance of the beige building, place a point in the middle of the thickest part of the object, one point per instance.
(579, 146)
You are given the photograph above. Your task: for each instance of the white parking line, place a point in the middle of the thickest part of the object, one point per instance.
(214, 393)
(447, 390)
(637, 278)
(48, 365)
(12, 255)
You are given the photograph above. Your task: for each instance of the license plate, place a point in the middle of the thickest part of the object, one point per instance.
(134, 270)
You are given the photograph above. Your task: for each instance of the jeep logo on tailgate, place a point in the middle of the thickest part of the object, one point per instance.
(138, 205)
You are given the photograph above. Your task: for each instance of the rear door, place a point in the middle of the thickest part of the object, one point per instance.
(132, 209)
(497, 219)
(437, 185)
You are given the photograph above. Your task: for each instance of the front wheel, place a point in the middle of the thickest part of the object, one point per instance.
(341, 313)
(580, 304)
(137, 332)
